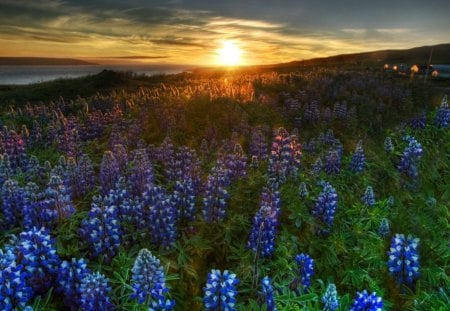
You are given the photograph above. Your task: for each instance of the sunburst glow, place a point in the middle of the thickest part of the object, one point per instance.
(229, 54)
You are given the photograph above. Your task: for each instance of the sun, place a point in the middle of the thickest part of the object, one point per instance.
(229, 54)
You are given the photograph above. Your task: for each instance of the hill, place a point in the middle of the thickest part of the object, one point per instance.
(41, 61)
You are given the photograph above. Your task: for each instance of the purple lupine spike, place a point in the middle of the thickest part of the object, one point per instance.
(305, 271)
(332, 162)
(84, 178)
(109, 172)
(95, 292)
(14, 290)
(12, 203)
(443, 114)
(161, 215)
(410, 158)
(366, 302)
(220, 291)
(148, 281)
(369, 197)
(265, 223)
(325, 205)
(258, 145)
(68, 281)
(184, 199)
(140, 172)
(403, 259)
(102, 229)
(358, 161)
(215, 200)
(15, 148)
(39, 258)
(55, 204)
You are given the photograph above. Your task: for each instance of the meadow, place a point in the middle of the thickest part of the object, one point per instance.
(310, 188)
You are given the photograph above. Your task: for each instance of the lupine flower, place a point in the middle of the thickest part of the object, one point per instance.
(14, 290)
(303, 190)
(332, 162)
(388, 146)
(403, 261)
(410, 158)
(330, 298)
(183, 197)
(121, 155)
(390, 201)
(141, 172)
(369, 197)
(148, 281)
(418, 122)
(216, 195)
(258, 145)
(94, 293)
(39, 258)
(220, 291)
(358, 160)
(5, 169)
(304, 273)
(56, 203)
(268, 294)
(12, 202)
(15, 149)
(265, 223)
(443, 114)
(161, 217)
(236, 163)
(85, 178)
(69, 279)
(366, 302)
(384, 228)
(102, 229)
(317, 166)
(109, 172)
(325, 205)
(31, 206)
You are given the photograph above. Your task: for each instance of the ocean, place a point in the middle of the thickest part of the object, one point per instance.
(20, 75)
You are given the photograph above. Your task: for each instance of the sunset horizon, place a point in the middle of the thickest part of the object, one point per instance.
(193, 32)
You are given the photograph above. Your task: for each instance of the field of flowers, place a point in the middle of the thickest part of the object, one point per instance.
(318, 189)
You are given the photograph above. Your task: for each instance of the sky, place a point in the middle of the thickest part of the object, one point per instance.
(191, 32)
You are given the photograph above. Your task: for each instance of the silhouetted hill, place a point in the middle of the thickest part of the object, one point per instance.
(418, 55)
(41, 61)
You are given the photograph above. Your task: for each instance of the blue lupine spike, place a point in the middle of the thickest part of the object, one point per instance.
(184, 199)
(161, 214)
(366, 302)
(443, 114)
(215, 200)
(268, 294)
(12, 203)
(330, 298)
(258, 145)
(305, 271)
(39, 258)
(317, 166)
(325, 205)
(358, 161)
(220, 291)
(31, 207)
(403, 259)
(14, 290)
(303, 190)
(56, 204)
(388, 146)
(332, 162)
(102, 229)
(94, 293)
(141, 172)
(410, 158)
(369, 197)
(265, 224)
(6, 171)
(109, 172)
(384, 228)
(85, 177)
(148, 282)
(236, 163)
(69, 279)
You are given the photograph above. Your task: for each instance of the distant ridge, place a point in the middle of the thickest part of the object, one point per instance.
(42, 61)
(418, 55)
